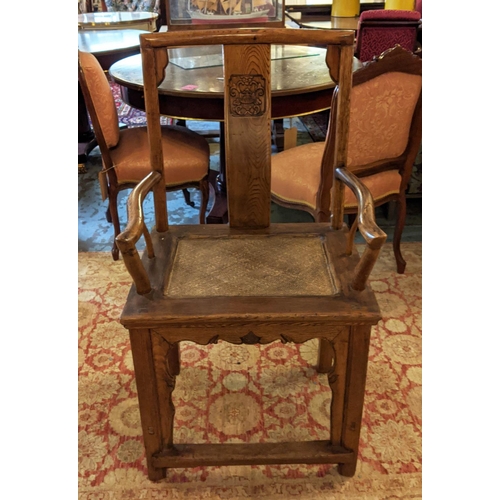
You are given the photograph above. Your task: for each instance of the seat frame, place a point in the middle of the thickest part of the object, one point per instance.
(157, 322)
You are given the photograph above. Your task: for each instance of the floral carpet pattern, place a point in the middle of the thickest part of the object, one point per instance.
(268, 393)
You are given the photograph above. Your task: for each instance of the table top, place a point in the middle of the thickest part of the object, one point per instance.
(193, 87)
(100, 42)
(197, 71)
(109, 18)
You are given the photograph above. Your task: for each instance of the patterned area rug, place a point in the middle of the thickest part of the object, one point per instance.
(132, 117)
(267, 393)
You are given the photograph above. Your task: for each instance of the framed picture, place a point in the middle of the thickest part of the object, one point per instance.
(208, 14)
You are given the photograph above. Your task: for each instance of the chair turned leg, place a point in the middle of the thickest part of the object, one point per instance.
(108, 215)
(187, 198)
(205, 195)
(398, 232)
(325, 356)
(113, 211)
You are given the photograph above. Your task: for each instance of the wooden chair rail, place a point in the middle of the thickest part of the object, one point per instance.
(372, 234)
(247, 36)
(305, 452)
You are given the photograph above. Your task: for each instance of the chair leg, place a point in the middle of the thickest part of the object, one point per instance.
(174, 360)
(205, 194)
(187, 197)
(325, 356)
(113, 211)
(108, 215)
(146, 357)
(357, 364)
(398, 231)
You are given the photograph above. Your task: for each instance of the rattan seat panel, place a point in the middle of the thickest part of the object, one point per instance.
(270, 266)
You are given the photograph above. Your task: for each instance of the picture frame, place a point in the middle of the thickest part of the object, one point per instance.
(217, 14)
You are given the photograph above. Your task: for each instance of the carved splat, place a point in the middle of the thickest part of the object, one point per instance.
(247, 95)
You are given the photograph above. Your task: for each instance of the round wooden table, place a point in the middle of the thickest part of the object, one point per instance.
(117, 20)
(193, 89)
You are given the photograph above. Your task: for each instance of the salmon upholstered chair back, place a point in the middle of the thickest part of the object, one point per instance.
(102, 108)
(381, 119)
(380, 30)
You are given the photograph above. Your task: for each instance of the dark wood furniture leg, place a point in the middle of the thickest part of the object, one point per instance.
(398, 232)
(218, 214)
(278, 134)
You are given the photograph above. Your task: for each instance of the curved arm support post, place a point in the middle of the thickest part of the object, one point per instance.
(127, 239)
(372, 234)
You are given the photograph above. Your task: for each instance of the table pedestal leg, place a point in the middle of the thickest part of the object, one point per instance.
(278, 134)
(218, 214)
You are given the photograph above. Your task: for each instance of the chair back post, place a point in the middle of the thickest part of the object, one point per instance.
(154, 63)
(341, 117)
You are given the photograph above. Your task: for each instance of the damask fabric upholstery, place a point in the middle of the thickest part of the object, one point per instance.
(380, 120)
(133, 5)
(102, 96)
(295, 177)
(381, 114)
(373, 40)
(185, 155)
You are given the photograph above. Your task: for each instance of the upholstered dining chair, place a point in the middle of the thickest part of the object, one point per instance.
(379, 30)
(125, 152)
(384, 138)
(250, 281)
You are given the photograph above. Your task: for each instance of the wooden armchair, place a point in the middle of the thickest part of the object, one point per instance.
(125, 152)
(384, 139)
(250, 281)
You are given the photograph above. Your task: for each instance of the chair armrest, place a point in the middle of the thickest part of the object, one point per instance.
(372, 234)
(127, 239)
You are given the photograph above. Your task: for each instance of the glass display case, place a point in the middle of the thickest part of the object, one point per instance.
(208, 14)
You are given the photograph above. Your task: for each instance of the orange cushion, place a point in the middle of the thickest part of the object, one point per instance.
(185, 155)
(295, 177)
(295, 173)
(102, 97)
